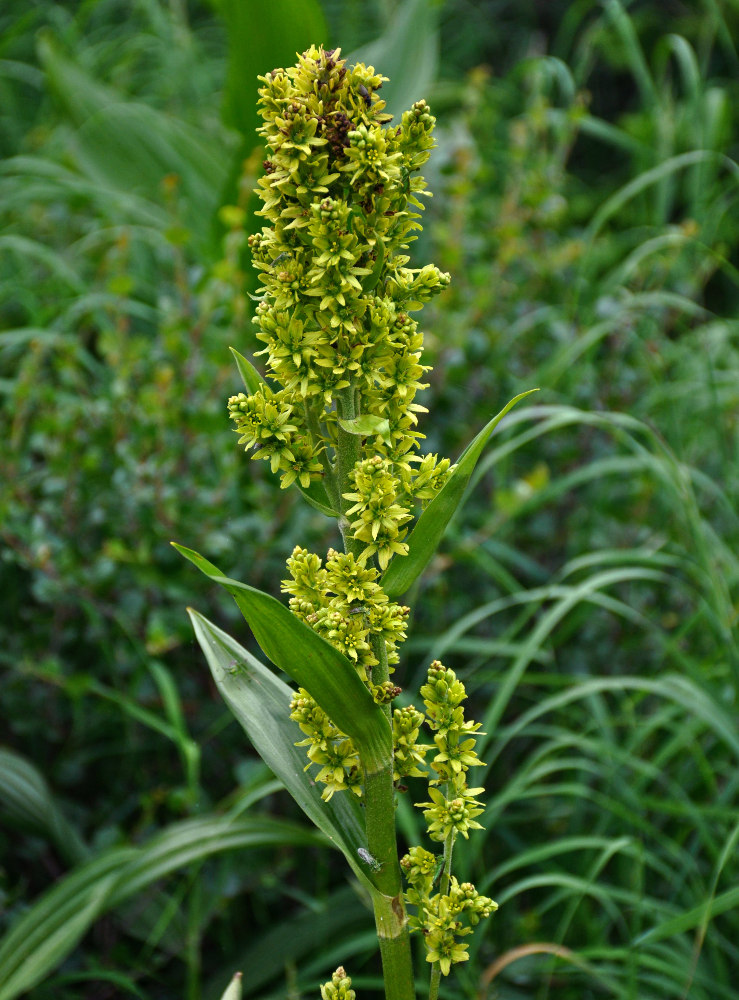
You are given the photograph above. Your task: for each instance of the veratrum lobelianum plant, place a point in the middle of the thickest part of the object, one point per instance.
(337, 417)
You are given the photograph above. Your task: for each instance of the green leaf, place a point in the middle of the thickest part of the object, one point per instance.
(371, 280)
(250, 376)
(407, 52)
(55, 923)
(365, 425)
(315, 495)
(262, 36)
(701, 914)
(431, 525)
(260, 701)
(335, 916)
(312, 662)
(192, 840)
(131, 147)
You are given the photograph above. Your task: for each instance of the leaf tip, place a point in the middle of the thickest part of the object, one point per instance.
(183, 550)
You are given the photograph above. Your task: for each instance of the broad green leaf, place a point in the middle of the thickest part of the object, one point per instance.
(365, 425)
(132, 147)
(431, 525)
(407, 52)
(53, 926)
(314, 494)
(260, 701)
(250, 376)
(262, 36)
(312, 662)
(27, 800)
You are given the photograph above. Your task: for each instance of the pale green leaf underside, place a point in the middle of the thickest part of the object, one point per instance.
(260, 701)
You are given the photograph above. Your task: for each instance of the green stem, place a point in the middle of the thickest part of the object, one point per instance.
(390, 917)
(347, 455)
(379, 794)
(381, 670)
(329, 478)
(435, 980)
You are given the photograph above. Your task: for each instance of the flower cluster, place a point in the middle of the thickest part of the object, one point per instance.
(345, 604)
(453, 809)
(329, 748)
(341, 196)
(441, 916)
(408, 753)
(339, 988)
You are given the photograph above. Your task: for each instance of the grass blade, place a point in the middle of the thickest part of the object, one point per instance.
(55, 923)
(27, 800)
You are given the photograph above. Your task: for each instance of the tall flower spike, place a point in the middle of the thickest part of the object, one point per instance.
(341, 200)
(341, 197)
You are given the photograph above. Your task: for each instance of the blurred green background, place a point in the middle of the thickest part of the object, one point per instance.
(585, 202)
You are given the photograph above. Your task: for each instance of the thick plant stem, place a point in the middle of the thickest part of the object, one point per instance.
(329, 479)
(381, 671)
(390, 917)
(379, 794)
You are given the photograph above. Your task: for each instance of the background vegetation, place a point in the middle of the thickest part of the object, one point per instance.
(586, 188)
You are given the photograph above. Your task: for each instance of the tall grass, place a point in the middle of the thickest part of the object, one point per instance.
(606, 648)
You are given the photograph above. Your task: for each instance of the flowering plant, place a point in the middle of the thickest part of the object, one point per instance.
(337, 417)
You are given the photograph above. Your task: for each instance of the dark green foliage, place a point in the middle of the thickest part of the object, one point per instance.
(586, 207)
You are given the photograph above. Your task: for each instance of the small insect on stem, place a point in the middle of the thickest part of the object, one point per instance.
(372, 863)
(359, 610)
(281, 256)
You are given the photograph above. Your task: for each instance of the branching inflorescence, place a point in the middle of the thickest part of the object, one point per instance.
(338, 417)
